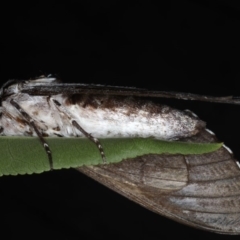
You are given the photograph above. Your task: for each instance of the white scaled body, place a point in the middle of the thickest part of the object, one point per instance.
(100, 115)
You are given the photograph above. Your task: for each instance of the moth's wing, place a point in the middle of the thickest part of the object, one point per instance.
(202, 191)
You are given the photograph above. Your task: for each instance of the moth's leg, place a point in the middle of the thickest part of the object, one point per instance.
(90, 137)
(1, 113)
(77, 126)
(31, 123)
(1, 128)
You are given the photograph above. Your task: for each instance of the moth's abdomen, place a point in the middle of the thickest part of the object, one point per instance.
(107, 117)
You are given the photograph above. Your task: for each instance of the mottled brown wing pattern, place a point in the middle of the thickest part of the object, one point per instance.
(202, 191)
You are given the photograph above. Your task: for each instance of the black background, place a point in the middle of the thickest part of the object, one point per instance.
(189, 46)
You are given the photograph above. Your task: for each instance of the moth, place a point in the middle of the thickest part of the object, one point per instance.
(43, 107)
(200, 190)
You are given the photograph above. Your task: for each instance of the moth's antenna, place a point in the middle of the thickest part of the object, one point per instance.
(202, 98)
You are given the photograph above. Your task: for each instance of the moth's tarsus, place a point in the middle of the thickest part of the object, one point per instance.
(49, 153)
(31, 123)
(90, 137)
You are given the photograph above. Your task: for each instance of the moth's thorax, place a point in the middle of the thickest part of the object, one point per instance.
(101, 116)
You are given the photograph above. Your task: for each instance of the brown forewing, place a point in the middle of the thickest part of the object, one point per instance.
(202, 191)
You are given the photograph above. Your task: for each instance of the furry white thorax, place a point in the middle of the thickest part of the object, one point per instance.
(53, 120)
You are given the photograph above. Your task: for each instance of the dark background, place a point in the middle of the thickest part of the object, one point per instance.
(189, 46)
